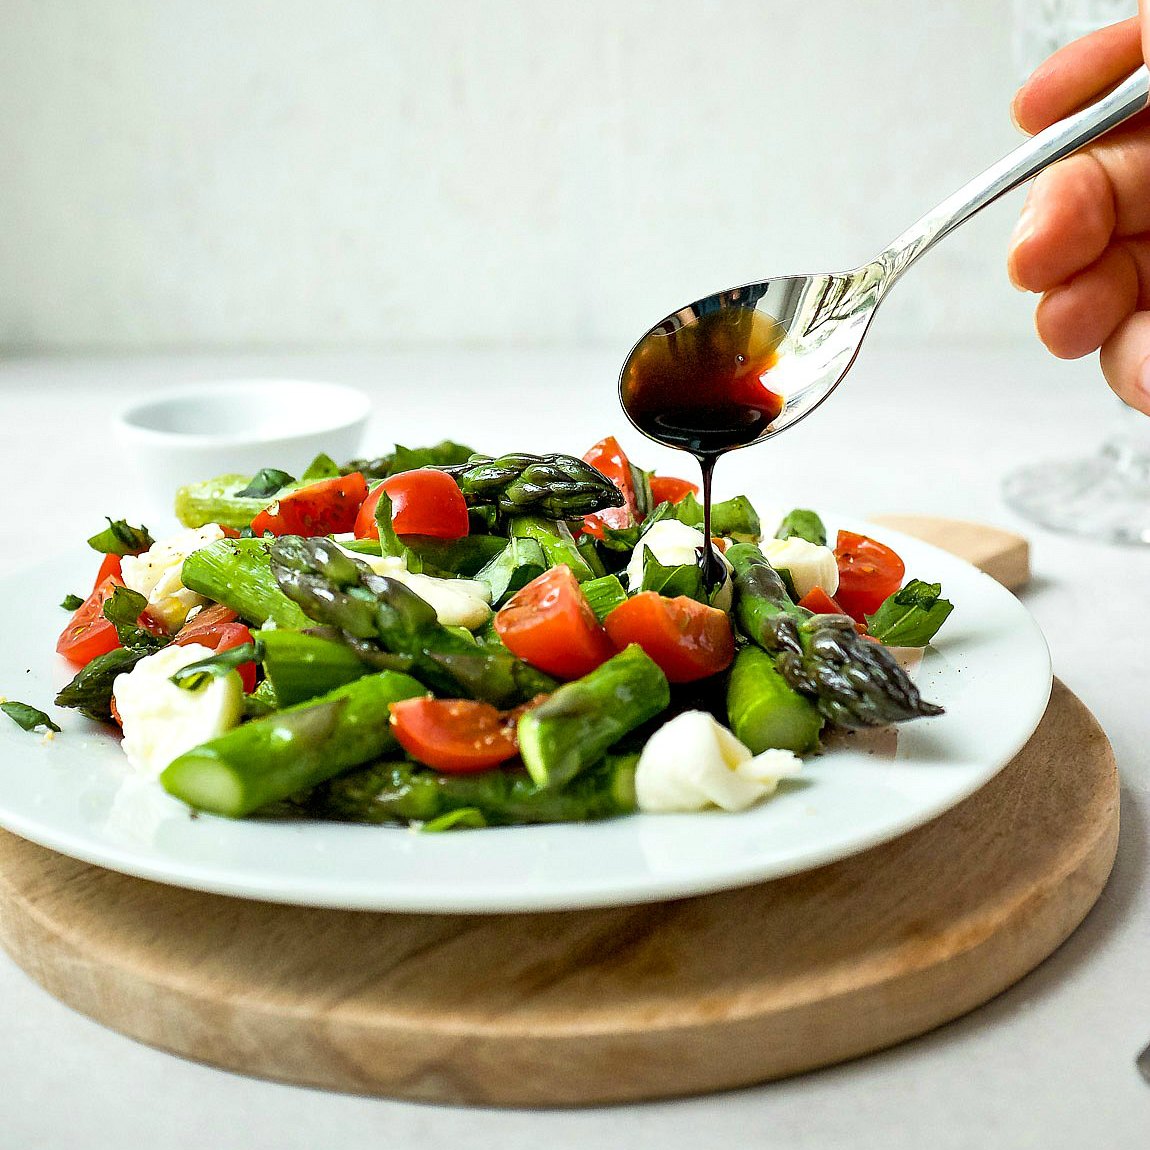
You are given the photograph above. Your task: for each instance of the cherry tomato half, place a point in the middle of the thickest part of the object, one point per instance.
(455, 736)
(550, 625)
(423, 502)
(88, 633)
(217, 627)
(608, 458)
(324, 508)
(689, 640)
(668, 489)
(869, 571)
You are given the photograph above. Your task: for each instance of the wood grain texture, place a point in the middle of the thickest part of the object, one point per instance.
(593, 1006)
(599, 1006)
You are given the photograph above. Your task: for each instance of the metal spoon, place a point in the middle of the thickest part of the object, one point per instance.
(822, 318)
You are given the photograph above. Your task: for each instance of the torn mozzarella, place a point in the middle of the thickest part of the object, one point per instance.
(692, 762)
(810, 565)
(157, 574)
(457, 602)
(161, 720)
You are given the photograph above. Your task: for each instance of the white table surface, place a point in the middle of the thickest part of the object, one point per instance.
(1048, 1064)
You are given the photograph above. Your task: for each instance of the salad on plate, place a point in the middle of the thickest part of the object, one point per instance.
(448, 640)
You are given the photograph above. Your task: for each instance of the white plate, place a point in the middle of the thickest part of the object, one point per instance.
(74, 793)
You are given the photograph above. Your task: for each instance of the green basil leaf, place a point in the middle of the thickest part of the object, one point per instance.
(444, 454)
(265, 483)
(120, 538)
(90, 692)
(199, 674)
(910, 617)
(26, 716)
(72, 603)
(737, 519)
(389, 541)
(321, 467)
(682, 579)
(463, 818)
(123, 609)
(803, 524)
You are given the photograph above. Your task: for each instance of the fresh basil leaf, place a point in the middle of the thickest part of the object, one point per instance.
(641, 484)
(803, 524)
(443, 454)
(681, 579)
(910, 617)
(72, 603)
(389, 541)
(265, 483)
(123, 609)
(26, 716)
(199, 674)
(321, 467)
(120, 538)
(785, 575)
(688, 510)
(90, 692)
(737, 519)
(463, 818)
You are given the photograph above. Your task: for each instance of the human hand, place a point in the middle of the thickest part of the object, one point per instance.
(1083, 239)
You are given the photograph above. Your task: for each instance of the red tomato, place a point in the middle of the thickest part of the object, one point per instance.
(818, 602)
(216, 627)
(423, 502)
(688, 640)
(88, 633)
(455, 736)
(109, 566)
(668, 489)
(608, 458)
(322, 508)
(550, 625)
(868, 572)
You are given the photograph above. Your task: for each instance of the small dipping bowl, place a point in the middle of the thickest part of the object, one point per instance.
(198, 431)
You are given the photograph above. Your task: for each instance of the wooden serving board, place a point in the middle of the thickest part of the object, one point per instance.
(596, 1006)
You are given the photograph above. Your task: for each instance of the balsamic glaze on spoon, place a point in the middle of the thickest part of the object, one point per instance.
(700, 387)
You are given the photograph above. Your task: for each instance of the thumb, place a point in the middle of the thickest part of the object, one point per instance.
(1125, 361)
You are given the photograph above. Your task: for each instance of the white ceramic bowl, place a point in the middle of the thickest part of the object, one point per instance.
(197, 431)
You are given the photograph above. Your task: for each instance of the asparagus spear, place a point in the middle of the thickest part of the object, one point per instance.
(388, 792)
(300, 666)
(374, 612)
(554, 486)
(237, 573)
(855, 683)
(764, 711)
(574, 728)
(271, 758)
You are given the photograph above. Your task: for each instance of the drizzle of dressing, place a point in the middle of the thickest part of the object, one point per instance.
(700, 387)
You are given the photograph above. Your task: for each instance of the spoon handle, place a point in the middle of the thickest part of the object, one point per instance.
(1056, 142)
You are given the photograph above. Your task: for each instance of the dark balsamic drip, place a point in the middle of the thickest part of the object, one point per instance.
(700, 388)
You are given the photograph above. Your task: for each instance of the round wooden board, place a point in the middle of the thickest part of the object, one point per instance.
(592, 1006)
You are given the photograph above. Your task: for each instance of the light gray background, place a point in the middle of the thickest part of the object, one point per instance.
(182, 173)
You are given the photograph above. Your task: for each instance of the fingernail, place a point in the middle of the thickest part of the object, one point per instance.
(1024, 228)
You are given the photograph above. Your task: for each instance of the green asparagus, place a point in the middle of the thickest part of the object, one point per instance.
(764, 711)
(855, 683)
(554, 537)
(237, 573)
(389, 792)
(300, 666)
(575, 727)
(554, 486)
(374, 611)
(271, 758)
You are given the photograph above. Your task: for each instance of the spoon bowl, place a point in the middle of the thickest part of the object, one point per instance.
(742, 365)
